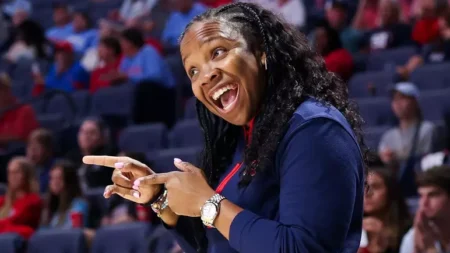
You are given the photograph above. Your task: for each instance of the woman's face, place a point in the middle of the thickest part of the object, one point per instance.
(89, 136)
(375, 200)
(16, 178)
(128, 48)
(226, 76)
(56, 183)
(403, 106)
(36, 152)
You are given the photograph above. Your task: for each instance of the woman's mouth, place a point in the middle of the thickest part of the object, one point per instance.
(226, 97)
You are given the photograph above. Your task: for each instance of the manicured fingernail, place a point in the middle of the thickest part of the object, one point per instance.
(137, 183)
(135, 187)
(177, 160)
(136, 194)
(119, 165)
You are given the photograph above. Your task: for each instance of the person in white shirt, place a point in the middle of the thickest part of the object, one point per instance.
(431, 231)
(292, 11)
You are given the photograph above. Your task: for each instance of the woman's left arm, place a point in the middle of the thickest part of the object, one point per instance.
(321, 182)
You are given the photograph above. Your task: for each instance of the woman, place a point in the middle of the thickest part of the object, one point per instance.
(65, 206)
(30, 43)
(386, 215)
(328, 45)
(282, 170)
(20, 208)
(93, 139)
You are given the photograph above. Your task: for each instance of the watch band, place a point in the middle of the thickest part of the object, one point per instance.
(214, 200)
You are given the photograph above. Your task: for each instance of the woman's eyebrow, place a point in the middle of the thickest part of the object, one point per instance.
(208, 40)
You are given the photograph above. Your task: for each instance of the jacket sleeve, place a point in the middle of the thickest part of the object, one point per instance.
(321, 181)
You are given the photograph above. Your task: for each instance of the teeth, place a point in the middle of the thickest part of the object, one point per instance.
(220, 92)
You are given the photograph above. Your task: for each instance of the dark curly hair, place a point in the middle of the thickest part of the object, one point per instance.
(294, 73)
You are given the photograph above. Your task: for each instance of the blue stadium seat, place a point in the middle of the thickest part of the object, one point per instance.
(435, 104)
(369, 84)
(60, 104)
(162, 161)
(142, 138)
(57, 241)
(186, 133)
(372, 136)
(113, 101)
(54, 122)
(11, 243)
(190, 112)
(3, 189)
(432, 76)
(388, 59)
(376, 111)
(123, 238)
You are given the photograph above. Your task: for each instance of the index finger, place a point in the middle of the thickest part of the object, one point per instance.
(150, 180)
(110, 161)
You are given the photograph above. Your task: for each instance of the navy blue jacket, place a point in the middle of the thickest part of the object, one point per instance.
(311, 201)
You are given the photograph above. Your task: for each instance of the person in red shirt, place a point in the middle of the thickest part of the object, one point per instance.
(20, 208)
(109, 52)
(215, 3)
(426, 29)
(328, 44)
(17, 123)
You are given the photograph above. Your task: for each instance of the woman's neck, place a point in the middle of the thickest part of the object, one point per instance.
(408, 122)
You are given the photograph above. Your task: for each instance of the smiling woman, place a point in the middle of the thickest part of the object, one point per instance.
(283, 163)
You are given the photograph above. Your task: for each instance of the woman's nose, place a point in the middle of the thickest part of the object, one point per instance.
(212, 77)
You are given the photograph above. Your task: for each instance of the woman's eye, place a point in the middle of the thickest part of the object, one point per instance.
(218, 52)
(193, 72)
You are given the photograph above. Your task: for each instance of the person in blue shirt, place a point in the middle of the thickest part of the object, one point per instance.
(84, 36)
(141, 62)
(183, 12)
(63, 27)
(66, 73)
(65, 206)
(283, 162)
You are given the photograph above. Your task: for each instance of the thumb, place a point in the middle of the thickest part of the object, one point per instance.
(184, 166)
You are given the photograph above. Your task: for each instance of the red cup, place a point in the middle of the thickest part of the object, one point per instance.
(77, 219)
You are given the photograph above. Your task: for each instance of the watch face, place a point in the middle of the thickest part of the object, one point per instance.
(209, 211)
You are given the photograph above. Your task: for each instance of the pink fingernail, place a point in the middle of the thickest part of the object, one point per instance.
(177, 160)
(137, 183)
(136, 194)
(135, 187)
(119, 165)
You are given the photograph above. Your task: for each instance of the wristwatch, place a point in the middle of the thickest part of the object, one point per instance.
(210, 210)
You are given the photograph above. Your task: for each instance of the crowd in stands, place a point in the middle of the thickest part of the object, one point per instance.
(118, 64)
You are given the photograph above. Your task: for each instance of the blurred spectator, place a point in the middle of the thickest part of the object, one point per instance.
(65, 207)
(10, 8)
(20, 208)
(431, 231)
(93, 139)
(133, 11)
(65, 74)
(183, 12)
(109, 52)
(215, 3)
(141, 62)
(437, 51)
(336, 13)
(390, 33)
(83, 36)
(30, 43)
(40, 152)
(16, 121)
(328, 45)
(63, 27)
(397, 143)
(386, 215)
(426, 29)
(366, 15)
(292, 11)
